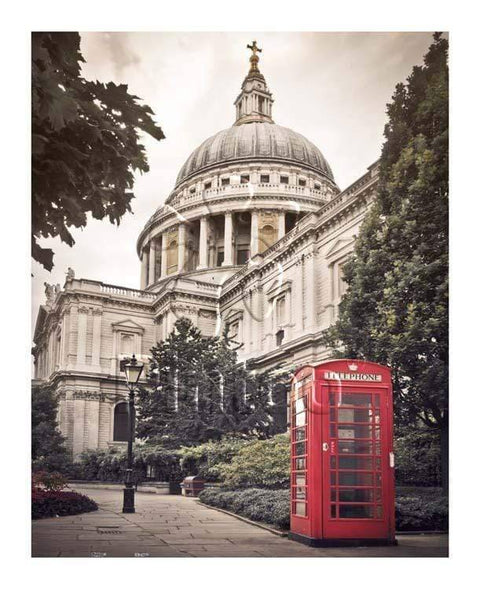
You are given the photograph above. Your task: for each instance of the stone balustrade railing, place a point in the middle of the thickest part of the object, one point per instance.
(242, 189)
(81, 284)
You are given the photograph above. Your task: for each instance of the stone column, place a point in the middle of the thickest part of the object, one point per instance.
(151, 263)
(227, 241)
(202, 262)
(181, 247)
(164, 255)
(96, 338)
(82, 335)
(143, 275)
(254, 234)
(281, 224)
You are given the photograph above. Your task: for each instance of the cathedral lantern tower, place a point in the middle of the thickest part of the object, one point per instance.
(254, 103)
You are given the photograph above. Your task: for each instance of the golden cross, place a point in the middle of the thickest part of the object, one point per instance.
(254, 48)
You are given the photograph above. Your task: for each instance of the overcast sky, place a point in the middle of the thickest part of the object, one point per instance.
(330, 87)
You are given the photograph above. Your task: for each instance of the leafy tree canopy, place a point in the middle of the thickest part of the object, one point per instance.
(197, 392)
(395, 310)
(85, 143)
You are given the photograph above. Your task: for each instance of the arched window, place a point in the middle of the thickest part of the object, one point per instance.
(172, 257)
(120, 423)
(267, 237)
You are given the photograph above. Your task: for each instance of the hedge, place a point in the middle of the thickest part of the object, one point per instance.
(414, 512)
(58, 503)
(264, 505)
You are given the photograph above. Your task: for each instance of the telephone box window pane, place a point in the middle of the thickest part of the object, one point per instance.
(300, 508)
(300, 434)
(378, 495)
(356, 495)
(354, 447)
(360, 399)
(300, 479)
(355, 415)
(300, 463)
(346, 432)
(299, 493)
(299, 449)
(378, 479)
(300, 405)
(331, 398)
(379, 511)
(333, 478)
(377, 433)
(333, 495)
(378, 463)
(300, 419)
(333, 413)
(376, 400)
(333, 462)
(333, 511)
(357, 511)
(333, 431)
(355, 479)
(355, 463)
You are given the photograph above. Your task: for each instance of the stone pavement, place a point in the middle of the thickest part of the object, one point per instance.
(175, 526)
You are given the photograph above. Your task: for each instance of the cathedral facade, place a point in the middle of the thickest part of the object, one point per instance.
(253, 237)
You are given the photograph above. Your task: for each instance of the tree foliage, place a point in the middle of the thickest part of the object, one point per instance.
(197, 392)
(85, 143)
(48, 445)
(395, 310)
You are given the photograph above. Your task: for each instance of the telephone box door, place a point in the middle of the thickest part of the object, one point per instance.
(356, 454)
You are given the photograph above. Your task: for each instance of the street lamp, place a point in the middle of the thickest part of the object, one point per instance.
(132, 370)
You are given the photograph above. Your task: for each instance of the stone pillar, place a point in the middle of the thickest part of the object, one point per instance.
(96, 338)
(78, 425)
(181, 247)
(254, 234)
(227, 242)
(203, 250)
(151, 263)
(82, 336)
(164, 255)
(281, 224)
(143, 275)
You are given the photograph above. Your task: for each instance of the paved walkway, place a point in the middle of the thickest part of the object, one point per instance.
(175, 526)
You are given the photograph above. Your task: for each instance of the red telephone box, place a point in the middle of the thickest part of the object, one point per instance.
(342, 481)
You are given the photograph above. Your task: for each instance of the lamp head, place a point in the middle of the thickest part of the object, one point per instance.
(132, 369)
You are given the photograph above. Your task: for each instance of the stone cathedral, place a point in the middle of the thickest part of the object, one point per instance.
(253, 236)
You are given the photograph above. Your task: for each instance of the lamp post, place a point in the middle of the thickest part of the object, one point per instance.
(132, 369)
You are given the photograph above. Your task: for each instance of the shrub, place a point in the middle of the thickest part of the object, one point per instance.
(53, 503)
(51, 481)
(417, 457)
(208, 460)
(271, 506)
(263, 463)
(414, 511)
(421, 512)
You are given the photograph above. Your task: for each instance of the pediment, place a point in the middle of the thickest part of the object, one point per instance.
(128, 325)
(339, 247)
(277, 288)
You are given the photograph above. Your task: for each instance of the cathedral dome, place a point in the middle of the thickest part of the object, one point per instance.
(256, 141)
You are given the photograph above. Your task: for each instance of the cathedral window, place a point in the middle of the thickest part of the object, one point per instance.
(283, 179)
(244, 179)
(225, 181)
(316, 186)
(207, 185)
(264, 178)
(220, 256)
(242, 256)
(120, 423)
(280, 310)
(261, 102)
(192, 190)
(302, 182)
(126, 344)
(279, 337)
